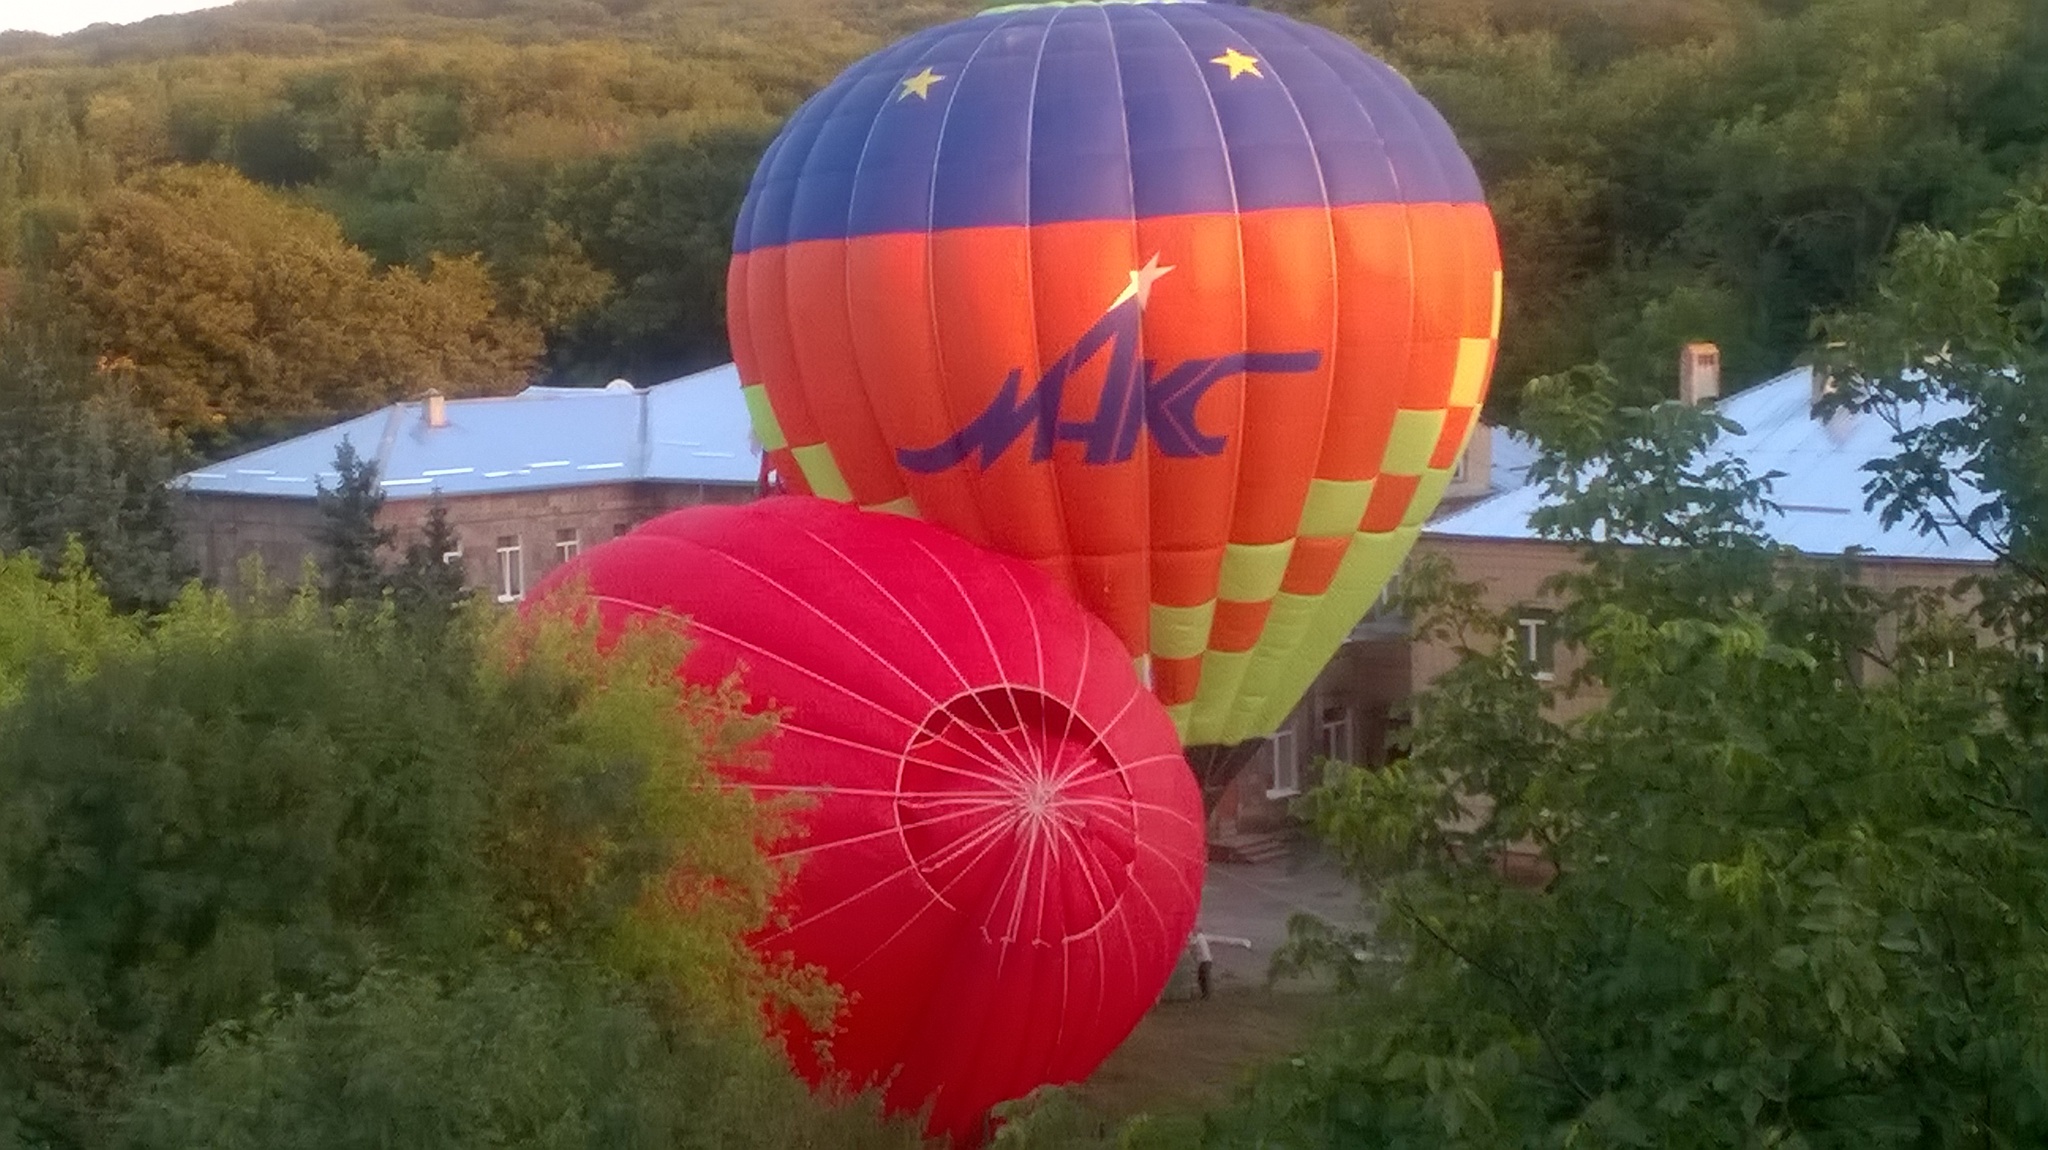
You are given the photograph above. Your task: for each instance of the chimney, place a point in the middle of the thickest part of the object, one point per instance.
(1823, 384)
(437, 408)
(1699, 374)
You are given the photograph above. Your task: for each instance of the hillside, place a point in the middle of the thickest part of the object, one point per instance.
(1660, 172)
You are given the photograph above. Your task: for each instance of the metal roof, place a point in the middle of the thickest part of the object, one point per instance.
(689, 430)
(1819, 493)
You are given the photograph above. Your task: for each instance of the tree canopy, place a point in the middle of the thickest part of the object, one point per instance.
(284, 874)
(1661, 172)
(1801, 834)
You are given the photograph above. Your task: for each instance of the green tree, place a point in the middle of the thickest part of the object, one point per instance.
(228, 302)
(351, 542)
(427, 586)
(1801, 871)
(77, 462)
(527, 1053)
(251, 807)
(659, 223)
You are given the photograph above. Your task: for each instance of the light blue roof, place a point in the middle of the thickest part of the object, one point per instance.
(689, 430)
(1820, 493)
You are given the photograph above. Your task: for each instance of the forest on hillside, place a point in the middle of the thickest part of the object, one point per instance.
(284, 210)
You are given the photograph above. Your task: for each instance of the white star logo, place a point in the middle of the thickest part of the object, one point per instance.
(1140, 287)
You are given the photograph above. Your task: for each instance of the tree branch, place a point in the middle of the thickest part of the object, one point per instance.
(1550, 1048)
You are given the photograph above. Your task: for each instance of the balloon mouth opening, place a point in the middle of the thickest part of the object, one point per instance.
(1017, 815)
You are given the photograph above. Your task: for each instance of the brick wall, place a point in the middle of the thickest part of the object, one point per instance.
(1348, 714)
(1515, 570)
(223, 530)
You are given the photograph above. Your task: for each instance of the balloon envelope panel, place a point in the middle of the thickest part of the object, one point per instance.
(1002, 854)
(1191, 306)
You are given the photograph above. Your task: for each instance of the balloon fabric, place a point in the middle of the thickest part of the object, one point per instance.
(1001, 850)
(1190, 305)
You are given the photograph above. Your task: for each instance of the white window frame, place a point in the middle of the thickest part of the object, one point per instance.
(569, 548)
(1286, 764)
(1342, 747)
(1531, 641)
(511, 570)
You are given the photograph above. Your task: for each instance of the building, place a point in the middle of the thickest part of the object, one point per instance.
(1349, 712)
(1489, 538)
(527, 480)
(530, 479)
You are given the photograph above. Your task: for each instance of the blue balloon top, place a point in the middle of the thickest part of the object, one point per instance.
(1100, 110)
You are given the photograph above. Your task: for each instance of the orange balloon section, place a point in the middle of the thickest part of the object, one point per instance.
(1189, 305)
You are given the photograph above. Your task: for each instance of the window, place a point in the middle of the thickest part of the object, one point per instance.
(511, 570)
(567, 543)
(1286, 764)
(1337, 731)
(1387, 604)
(1535, 641)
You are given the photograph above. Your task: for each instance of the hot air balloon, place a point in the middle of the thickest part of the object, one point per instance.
(1190, 305)
(1002, 854)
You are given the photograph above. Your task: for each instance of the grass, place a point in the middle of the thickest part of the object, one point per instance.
(1190, 1054)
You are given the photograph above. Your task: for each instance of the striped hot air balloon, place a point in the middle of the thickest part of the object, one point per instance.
(1191, 305)
(1001, 853)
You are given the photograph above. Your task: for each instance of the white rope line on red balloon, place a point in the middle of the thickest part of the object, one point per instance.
(1033, 755)
(1193, 889)
(1037, 653)
(986, 838)
(833, 790)
(895, 828)
(967, 683)
(932, 702)
(1119, 806)
(982, 752)
(940, 899)
(1013, 892)
(892, 754)
(1083, 851)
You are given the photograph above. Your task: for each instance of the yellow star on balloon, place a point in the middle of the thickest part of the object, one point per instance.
(1239, 63)
(919, 85)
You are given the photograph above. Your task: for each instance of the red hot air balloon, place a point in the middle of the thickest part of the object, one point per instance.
(1004, 857)
(1190, 305)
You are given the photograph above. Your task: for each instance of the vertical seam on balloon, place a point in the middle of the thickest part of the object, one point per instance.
(1243, 297)
(1283, 31)
(916, 623)
(1052, 470)
(912, 721)
(801, 397)
(1123, 119)
(932, 702)
(931, 278)
(867, 393)
(1037, 653)
(1407, 217)
(995, 656)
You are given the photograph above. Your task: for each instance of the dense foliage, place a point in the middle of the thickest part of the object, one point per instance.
(1800, 826)
(80, 463)
(290, 875)
(1661, 171)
